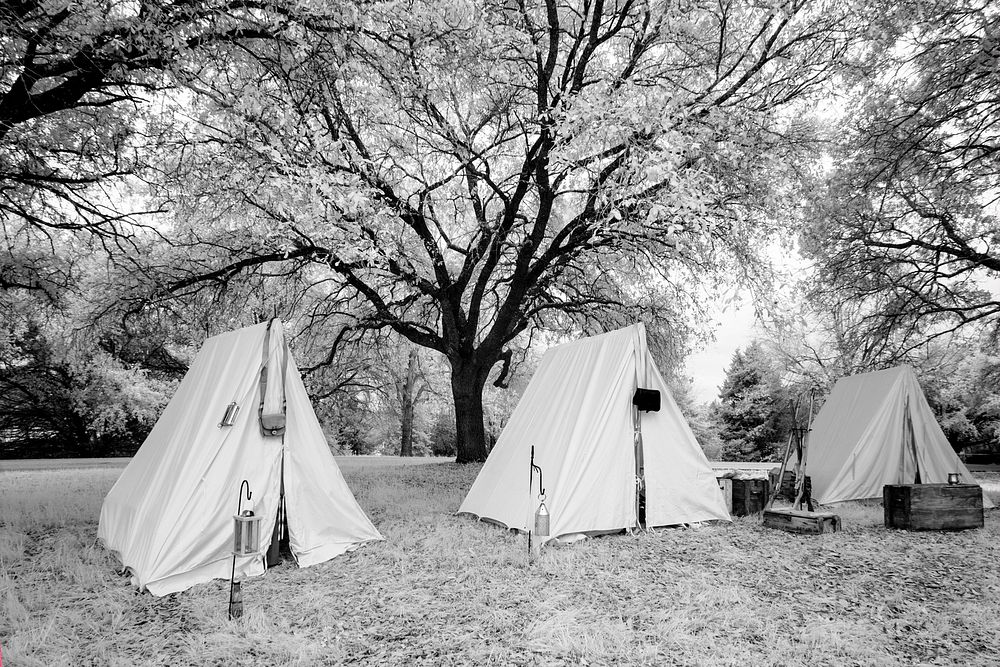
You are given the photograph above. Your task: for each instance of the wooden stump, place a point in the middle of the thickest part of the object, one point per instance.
(933, 506)
(806, 523)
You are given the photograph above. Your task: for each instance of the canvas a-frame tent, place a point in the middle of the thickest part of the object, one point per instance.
(169, 517)
(876, 429)
(577, 412)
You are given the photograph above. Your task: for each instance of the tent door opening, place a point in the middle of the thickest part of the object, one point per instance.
(279, 549)
(279, 537)
(643, 400)
(272, 414)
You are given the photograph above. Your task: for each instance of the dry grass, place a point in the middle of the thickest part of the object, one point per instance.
(445, 590)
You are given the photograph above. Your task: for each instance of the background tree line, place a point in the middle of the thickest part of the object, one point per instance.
(753, 416)
(426, 192)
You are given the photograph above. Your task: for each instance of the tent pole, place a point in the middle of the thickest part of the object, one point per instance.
(281, 522)
(640, 353)
(805, 447)
(640, 471)
(800, 473)
(912, 437)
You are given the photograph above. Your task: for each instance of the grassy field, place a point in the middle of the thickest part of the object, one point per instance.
(446, 590)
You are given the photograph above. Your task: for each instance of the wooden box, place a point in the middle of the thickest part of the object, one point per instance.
(807, 523)
(749, 496)
(933, 506)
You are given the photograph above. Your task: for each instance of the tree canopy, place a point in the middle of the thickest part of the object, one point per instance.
(906, 231)
(463, 172)
(469, 175)
(76, 83)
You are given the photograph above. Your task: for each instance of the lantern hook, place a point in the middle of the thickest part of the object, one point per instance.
(541, 487)
(239, 505)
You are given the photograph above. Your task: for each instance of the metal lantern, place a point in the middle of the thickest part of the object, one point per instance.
(542, 518)
(246, 533)
(953, 478)
(246, 542)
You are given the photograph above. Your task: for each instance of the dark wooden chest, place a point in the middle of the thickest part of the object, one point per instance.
(933, 506)
(749, 496)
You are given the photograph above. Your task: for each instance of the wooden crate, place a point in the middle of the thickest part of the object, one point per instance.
(726, 485)
(806, 523)
(933, 506)
(749, 496)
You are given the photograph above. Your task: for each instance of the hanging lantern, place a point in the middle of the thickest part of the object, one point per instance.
(541, 528)
(246, 542)
(229, 418)
(541, 518)
(246, 533)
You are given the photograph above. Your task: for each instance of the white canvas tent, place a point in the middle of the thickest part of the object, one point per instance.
(169, 515)
(577, 412)
(861, 439)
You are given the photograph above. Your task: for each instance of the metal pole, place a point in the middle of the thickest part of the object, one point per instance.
(531, 476)
(232, 575)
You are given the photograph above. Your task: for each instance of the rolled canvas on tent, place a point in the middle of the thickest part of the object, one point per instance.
(169, 515)
(577, 413)
(859, 441)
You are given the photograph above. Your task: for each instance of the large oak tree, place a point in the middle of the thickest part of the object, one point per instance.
(464, 171)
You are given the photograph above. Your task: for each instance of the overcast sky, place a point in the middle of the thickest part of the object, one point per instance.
(708, 366)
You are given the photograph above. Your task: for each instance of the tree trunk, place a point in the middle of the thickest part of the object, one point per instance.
(407, 401)
(467, 381)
